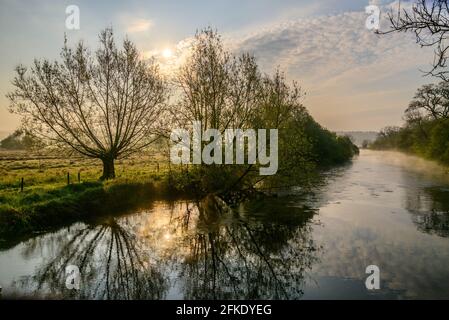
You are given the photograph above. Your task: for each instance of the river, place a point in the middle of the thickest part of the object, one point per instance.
(384, 208)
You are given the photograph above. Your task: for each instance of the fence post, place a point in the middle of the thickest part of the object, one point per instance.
(157, 163)
(21, 186)
(79, 176)
(68, 178)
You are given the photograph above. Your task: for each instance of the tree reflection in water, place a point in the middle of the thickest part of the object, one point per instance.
(202, 250)
(246, 258)
(111, 260)
(430, 209)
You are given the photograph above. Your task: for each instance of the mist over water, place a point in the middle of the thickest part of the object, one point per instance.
(385, 208)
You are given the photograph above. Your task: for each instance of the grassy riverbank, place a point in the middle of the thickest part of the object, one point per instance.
(40, 192)
(49, 199)
(40, 208)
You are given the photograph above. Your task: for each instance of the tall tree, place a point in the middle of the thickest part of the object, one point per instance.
(431, 101)
(104, 105)
(216, 87)
(220, 90)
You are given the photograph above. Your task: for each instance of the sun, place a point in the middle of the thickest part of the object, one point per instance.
(167, 53)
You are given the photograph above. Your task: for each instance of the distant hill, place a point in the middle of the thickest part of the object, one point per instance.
(358, 137)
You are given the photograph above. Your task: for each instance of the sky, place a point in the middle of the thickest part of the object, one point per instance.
(354, 79)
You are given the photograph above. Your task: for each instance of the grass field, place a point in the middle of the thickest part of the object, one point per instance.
(51, 171)
(48, 199)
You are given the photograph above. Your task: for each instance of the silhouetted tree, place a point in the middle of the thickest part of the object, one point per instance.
(431, 101)
(104, 106)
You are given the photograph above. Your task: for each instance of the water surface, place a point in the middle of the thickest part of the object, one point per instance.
(385, 209)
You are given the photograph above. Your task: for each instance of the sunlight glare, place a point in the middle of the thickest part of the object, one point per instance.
(167, 53)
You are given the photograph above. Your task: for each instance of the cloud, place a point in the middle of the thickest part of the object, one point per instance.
(326, 47)
(354, 78)
(139, 25)
(345, 68)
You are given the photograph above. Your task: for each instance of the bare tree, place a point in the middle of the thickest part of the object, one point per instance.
(104, 105)
(429, 21)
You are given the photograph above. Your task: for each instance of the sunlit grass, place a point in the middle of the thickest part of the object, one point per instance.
(48, 199)
(52, 173)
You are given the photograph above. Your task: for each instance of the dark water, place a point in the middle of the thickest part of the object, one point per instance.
(384, 209)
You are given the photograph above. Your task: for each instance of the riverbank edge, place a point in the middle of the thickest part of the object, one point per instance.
(23, 214)
(414, 154)
(80, 202)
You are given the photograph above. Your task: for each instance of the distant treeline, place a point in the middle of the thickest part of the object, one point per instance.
(426, 129)
(19, 140)
(360, 138)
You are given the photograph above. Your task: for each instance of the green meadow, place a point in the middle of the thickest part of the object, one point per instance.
(56, 190)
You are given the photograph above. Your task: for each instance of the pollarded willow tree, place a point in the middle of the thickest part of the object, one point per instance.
(105, 105)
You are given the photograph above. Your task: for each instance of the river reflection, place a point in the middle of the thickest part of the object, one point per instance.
(202, 250)
(246, 258)
(430, 209)
(110, 258)
(385, 209)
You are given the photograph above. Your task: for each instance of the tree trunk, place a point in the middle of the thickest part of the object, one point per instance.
(108, 168)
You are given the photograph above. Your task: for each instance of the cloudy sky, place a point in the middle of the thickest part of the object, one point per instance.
(354, 79)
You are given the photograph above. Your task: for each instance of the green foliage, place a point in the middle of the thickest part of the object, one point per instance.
(226, 91)
(426, 131)
(438, 147)
(430, 139)
(328, 148)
